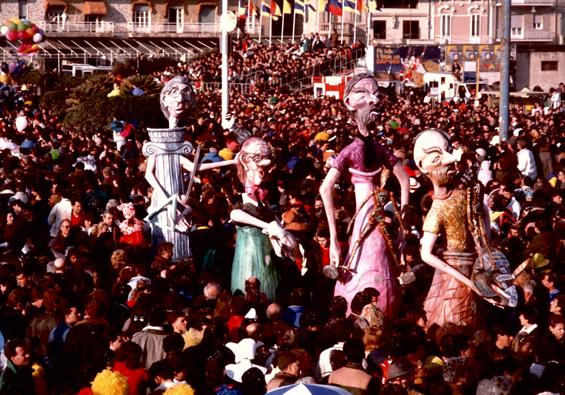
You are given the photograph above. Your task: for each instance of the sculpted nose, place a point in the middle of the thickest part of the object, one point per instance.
(447, 158)
(372, 99)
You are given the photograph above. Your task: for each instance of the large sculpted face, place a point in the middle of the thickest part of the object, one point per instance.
(176, 98)
(432, 156)
(362, 101)
(254, 162)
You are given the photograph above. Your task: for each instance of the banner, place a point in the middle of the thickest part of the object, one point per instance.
(395, 60)
(487, 54)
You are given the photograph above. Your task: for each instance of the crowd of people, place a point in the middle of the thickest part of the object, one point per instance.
(86, 300)
(266, 66)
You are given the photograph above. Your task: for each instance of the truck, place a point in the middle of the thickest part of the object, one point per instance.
(445, 86)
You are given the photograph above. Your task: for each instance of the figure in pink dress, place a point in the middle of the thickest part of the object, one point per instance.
(369, 262)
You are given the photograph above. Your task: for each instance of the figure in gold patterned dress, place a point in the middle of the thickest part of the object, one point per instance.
(451, 297)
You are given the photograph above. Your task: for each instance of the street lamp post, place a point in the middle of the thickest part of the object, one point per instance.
(504, 73)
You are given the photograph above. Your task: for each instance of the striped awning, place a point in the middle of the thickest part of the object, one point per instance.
(94, 8)
(55, 3)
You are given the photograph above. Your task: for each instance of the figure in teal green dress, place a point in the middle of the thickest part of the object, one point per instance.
(258, 231)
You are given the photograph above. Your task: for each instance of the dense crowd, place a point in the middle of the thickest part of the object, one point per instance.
(81, 299)
(275, 65)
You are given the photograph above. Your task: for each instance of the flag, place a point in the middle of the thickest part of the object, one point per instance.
(287, 9)
(266, 11)
(299, 7)
(373, 6)
(350, 5)
(322, 5)
(311, 6)
(275, 9)
(334, 7)
(252, 9)
(361, 6)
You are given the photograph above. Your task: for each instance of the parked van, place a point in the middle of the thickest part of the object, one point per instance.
(444, 86)
(79, 70)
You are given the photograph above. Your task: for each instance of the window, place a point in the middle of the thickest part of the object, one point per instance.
(22, 9)
(538, 22)
(446, 25)
(56, 16)
(517, 24)
(141, 15)
(92, 18)
(549, 65)
(207, 14)
(379, 30)
(411, 30)
(475, 25)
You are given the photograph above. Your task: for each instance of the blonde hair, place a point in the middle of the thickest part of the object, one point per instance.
(118, 259)
(108, 382)
(180, 389)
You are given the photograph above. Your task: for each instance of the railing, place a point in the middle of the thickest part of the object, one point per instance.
(194, 28)
(534, 35)
(463, 39)
(103, 27)
(533, 2)
(327, 28)
(215, 86)
(78, 27)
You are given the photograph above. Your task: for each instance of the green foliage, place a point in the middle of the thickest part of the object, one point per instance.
(31, 76)
(96, 85)
(146, 83)
(87, 107)
(94, 115)
(55, 101)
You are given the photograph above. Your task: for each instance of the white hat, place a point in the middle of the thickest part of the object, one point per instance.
(481, 152)
(21, 196)
(251, 314)
(245, 349)
(414, 184)
(235, 371)
(495, 140)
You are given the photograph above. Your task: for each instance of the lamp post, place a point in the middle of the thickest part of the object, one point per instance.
(504, 72)
(228, 22)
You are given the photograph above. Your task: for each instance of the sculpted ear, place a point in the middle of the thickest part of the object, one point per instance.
(244, 160)
(347, 103)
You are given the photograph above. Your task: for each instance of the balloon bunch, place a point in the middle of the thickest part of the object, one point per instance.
(28, 33)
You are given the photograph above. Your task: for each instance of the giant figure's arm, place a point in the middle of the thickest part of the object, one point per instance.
(427, 243)
(150, 176)
(283, 242)
(242, 217)
(188, 165)
(404, 182)
(326, 192)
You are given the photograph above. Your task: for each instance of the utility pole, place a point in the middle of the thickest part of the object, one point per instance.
(224, 48)
(504, 73)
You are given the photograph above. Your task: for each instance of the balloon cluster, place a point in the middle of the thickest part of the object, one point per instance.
(28, 33)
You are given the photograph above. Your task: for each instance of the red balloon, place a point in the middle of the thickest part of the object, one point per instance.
(12, 36)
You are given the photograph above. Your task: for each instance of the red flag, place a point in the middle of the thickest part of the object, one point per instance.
(275, 9)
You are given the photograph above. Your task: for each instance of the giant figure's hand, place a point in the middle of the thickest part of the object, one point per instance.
(290, 246)
(335, 254)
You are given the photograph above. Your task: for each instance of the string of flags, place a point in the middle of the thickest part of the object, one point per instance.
(270, 8)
